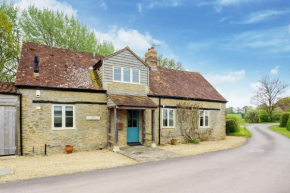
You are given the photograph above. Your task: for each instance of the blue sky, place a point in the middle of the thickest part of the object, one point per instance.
(230, 42)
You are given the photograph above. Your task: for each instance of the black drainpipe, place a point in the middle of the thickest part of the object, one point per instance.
(159, 121)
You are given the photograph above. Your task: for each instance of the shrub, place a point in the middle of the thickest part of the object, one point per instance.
(231, 126)
(193, 141)
(288, 125)
(252, 116)
(284, 118)
(235, 118)
(264, 117)
(276, 116)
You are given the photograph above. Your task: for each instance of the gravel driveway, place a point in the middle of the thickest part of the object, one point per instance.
(205, 146)
(59, 164)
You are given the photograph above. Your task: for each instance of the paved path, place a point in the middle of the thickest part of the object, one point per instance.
(145, 154)
(260, 166)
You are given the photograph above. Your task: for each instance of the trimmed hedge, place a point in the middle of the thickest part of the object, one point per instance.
(284, 118)
(235, 118)
(288, 125)
(264, 117)
(231, 126)
(252, 116)
(276, 116)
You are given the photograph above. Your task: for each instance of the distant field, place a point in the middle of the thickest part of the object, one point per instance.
(239, 116)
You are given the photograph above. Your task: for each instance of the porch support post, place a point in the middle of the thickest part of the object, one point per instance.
(109, 128)
(116, 140)
(143, 126)
(153, 145)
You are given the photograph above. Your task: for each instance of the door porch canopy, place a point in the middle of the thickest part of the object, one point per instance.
(129, 102)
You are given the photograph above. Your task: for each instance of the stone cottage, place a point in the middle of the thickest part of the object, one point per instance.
(91, 101)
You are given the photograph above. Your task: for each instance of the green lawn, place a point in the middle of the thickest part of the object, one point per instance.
(281, 130)
(239, 116)
(243, 130)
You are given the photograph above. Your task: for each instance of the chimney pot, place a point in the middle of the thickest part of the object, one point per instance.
(151, 57)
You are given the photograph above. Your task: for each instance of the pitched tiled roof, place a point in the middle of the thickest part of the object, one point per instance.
(58, 67)
(7, 87)
(185, 84)
(132, 101)
(284, 106)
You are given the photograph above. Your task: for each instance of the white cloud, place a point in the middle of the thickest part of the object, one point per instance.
(220, 4)
(151, 4)
(121, 38)
(268, 41)
(103, 5)
(263, 16)
(139, 7)
(275, 70)
(255, 85)
(51, 4)
(228, 77)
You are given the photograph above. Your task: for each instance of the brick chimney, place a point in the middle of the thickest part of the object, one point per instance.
(151, 57)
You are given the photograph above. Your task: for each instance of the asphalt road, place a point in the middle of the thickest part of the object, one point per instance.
(261, 165)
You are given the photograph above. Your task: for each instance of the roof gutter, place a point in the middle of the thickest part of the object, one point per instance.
(185, 98)
(61, 89)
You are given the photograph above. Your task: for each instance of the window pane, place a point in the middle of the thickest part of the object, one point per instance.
(201, 118)
(134, 122)
(57, 121)
(171, 118)
(68, 111)
(206, 118)
(117, 73)
(69, 122)
(164, 117)
(57, 111)
(126, 74)
(136, 76)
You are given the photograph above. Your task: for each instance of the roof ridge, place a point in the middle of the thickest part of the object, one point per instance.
(54, 47)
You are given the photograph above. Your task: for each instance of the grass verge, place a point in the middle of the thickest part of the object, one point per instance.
(243, 130)
(281, 130)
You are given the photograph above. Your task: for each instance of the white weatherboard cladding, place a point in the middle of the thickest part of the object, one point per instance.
(124, 59)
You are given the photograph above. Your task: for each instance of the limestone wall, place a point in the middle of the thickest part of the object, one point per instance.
(37, 124)
(217, 122)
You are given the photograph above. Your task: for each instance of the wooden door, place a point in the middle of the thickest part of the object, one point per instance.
(8, 124)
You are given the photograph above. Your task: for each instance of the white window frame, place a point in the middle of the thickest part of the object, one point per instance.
(122, 75)
(167, 110)
(63, 117)
(204, 119)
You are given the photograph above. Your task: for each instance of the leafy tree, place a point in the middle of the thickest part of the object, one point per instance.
(9, 41)
(252, 116)
(230, 110)
(269, 93)
(55, 28)
(169, 63)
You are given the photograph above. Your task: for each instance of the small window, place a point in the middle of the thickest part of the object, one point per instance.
(126, 74)
(117, 74)
(204, 119)
(63, 117)
(168, 118)
(136, 78)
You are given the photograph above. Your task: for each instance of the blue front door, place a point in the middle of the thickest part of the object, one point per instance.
(133, 126)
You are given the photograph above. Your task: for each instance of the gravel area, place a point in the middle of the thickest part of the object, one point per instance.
(59, 164)
(206, 146)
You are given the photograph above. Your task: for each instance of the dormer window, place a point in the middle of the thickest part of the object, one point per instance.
(127, 75)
